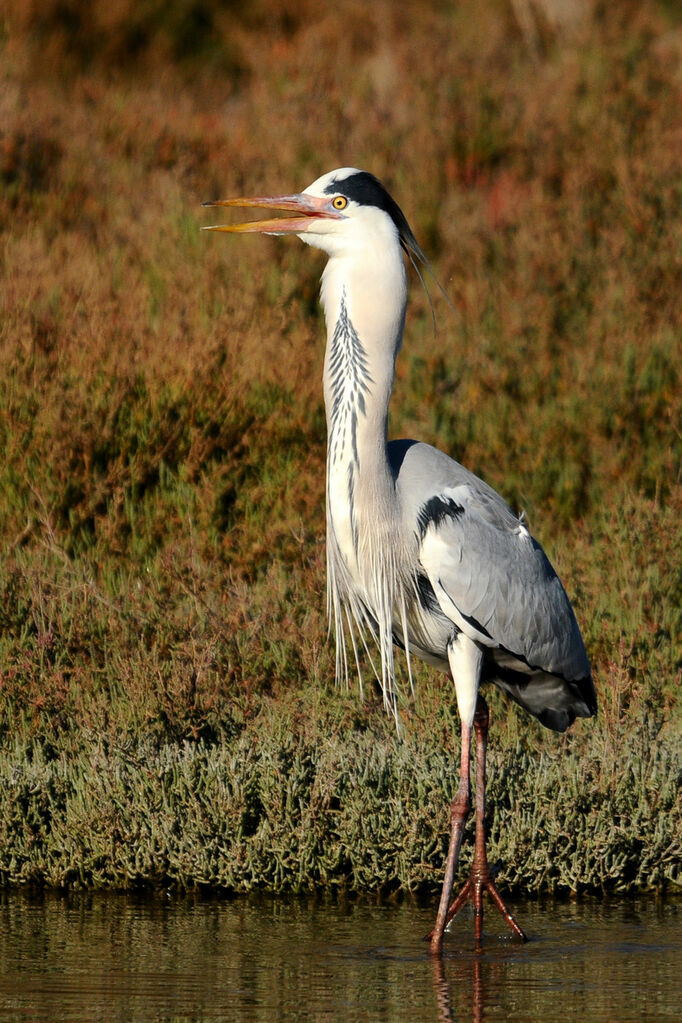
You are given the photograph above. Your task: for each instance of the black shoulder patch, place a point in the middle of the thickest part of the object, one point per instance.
(435, 511)
(427, 597)
(475, 624)
(397, 449)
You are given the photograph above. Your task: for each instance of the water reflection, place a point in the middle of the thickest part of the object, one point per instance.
(90, 958)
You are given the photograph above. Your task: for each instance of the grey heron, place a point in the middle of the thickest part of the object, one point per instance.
(421, 553)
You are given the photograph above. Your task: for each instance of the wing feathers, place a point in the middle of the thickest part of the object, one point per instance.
(497, 584)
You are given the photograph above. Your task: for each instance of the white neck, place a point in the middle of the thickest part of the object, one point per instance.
(364, 297)
(364, 294)
(364, 303)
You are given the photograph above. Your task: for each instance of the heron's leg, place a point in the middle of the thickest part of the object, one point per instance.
(459, 811)
(481, 876)
(479, 869)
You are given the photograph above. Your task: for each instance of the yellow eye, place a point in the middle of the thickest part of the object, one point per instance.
(340, 202)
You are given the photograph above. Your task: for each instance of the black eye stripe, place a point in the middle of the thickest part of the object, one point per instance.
(366, 190)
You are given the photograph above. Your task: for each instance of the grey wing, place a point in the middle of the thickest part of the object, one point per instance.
(496, 584)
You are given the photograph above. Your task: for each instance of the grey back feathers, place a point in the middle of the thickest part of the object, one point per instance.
(494, 581)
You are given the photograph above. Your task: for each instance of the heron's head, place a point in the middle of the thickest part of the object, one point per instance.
(344, 211)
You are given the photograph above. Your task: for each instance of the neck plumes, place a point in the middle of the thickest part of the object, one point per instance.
(364, 299)
(364, 304)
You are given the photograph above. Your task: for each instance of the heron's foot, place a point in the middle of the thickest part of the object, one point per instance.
(482, 879)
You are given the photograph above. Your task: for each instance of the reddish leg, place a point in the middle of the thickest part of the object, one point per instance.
(481, 876)
(459, 811)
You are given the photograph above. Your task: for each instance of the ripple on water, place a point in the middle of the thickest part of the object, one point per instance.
(98, 957)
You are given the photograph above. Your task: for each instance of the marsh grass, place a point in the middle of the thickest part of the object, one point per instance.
(167, 710)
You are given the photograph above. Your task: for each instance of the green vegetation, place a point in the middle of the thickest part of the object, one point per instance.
(167, 707)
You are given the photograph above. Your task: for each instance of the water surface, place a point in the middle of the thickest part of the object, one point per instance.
(110, 958)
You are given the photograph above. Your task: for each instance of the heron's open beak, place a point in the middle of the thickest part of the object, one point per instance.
(308, 207)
